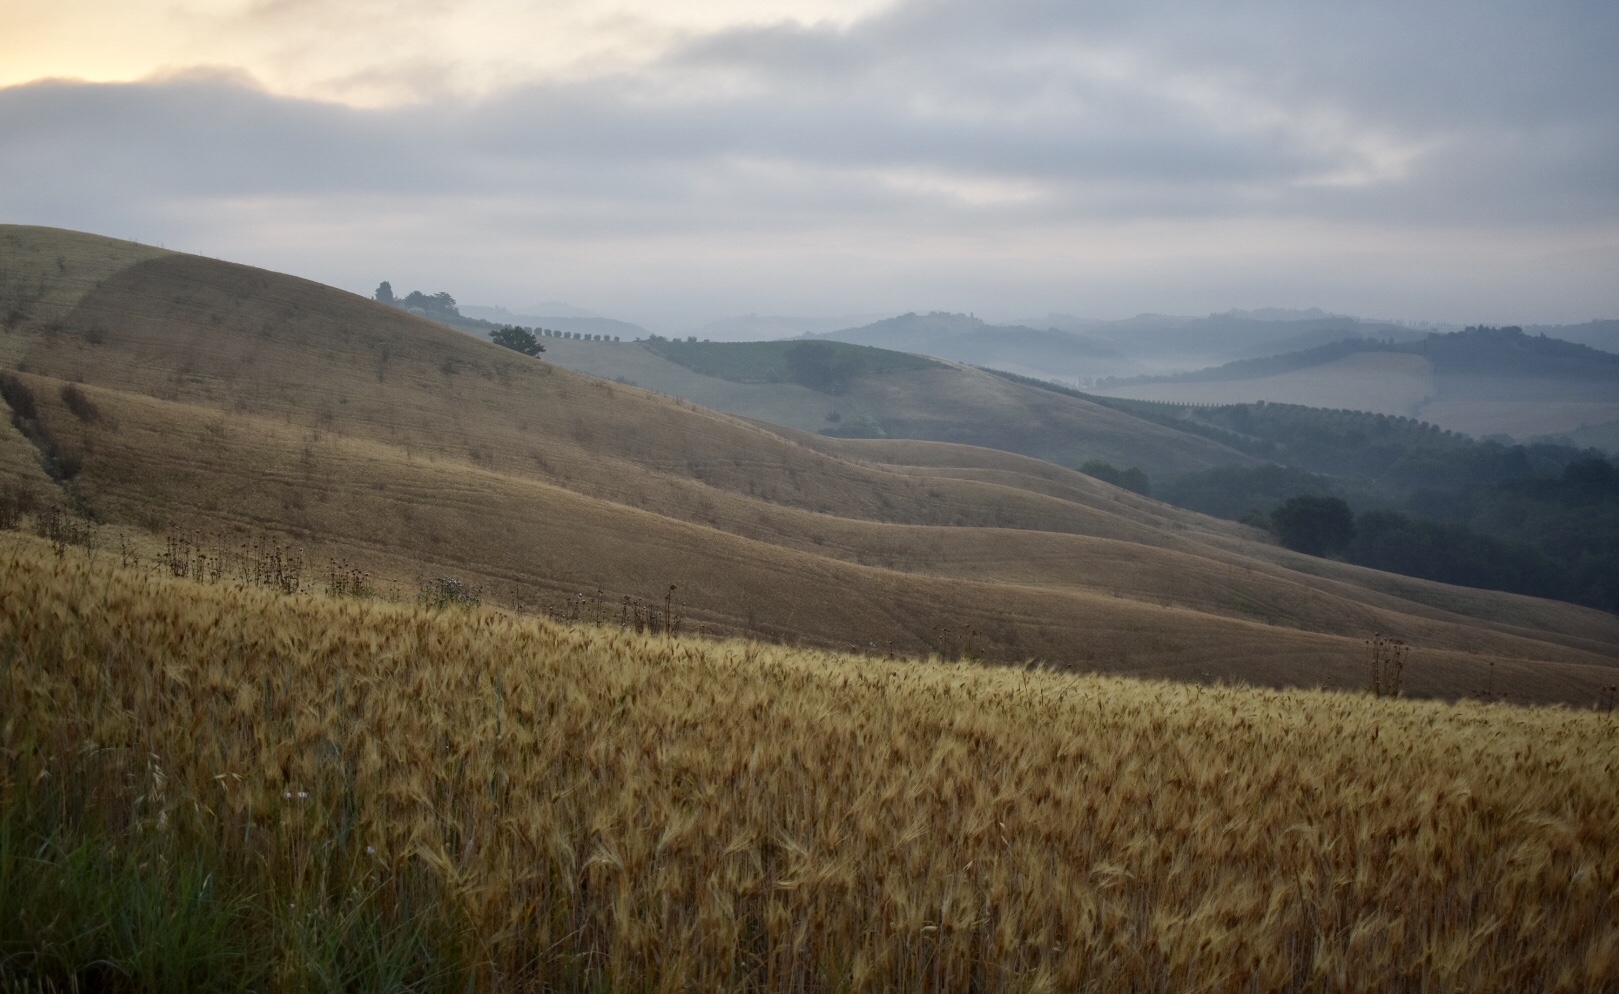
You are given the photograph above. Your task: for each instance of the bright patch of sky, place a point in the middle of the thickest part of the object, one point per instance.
(373, 52)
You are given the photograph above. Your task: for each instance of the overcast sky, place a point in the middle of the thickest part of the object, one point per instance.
(672, 163)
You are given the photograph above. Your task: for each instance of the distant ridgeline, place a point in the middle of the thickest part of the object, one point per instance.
(1540, 519)
(824, 366)
(441, 307)
(1482, 352)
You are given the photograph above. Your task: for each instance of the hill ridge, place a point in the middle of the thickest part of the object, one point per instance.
(1505, 351)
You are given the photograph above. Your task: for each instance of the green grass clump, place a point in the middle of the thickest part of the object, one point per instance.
(154, 905)
(85, 906)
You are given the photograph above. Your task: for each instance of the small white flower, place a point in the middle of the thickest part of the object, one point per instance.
(303, 794)
(370, 850)
(287, 795)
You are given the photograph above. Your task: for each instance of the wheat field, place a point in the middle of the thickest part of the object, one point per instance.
(509, 803)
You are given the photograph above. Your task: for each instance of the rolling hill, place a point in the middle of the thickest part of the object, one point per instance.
(866, 392)
(1073, 350)
(965, 338)
(171, 395)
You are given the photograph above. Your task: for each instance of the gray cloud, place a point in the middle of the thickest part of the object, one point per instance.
(1024, 128)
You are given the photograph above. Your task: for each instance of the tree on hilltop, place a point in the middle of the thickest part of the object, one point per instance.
(385, 293)
(440, 304)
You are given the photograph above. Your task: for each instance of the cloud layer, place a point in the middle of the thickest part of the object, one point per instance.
(1452, 161)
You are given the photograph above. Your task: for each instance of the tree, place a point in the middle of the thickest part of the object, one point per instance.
(440, 305)
(385, 292)
(1316, 526)
(517, 339)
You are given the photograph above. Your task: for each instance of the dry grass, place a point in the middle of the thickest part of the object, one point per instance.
(1080, 601)
(594, 809)
(231, 402)
(45, 272)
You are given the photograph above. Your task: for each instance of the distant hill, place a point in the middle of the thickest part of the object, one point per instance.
(968, 339)
(1328, 333)
(1081, 351)
(1235, 335)
(1156, 341)
(1483, 381)
(860, 391)
(1602, 335)
(767, 327)
(1504, 353)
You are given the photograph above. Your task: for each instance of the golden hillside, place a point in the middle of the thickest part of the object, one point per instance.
(216, 399)
(339, 794)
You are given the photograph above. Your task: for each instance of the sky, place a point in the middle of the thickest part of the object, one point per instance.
(675, 163)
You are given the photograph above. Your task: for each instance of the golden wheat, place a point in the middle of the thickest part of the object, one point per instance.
(600, 807)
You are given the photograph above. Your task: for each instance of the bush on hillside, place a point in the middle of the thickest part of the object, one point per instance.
(517, 339)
